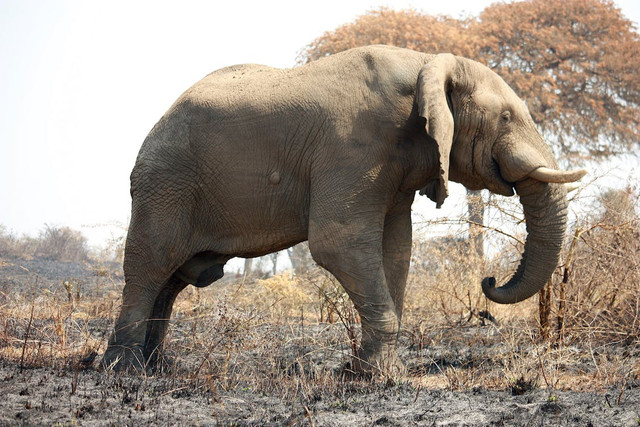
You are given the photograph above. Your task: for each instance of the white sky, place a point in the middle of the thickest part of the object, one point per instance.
(83, 82)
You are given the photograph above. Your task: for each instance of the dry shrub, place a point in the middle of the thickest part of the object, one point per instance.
(62, 243)
(283, 296)
(16, 247)
(278, 335)
(52, 327)
(444, 288)
(261, 335)
(53, 242)
(462, 340)
(603, 283)
(443, 281)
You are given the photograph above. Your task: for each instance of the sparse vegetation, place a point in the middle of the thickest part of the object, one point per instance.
(287, 338)
(53, 243)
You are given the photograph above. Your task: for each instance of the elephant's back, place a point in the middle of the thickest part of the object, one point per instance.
(234, 83)
(334, 84)
(247, 85)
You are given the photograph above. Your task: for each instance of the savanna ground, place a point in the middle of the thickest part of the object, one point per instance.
(275, 351)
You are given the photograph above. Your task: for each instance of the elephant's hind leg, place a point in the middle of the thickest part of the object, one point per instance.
(148, 293)
(201, 270)
(126, 344)
(141, 301)
(147, 303)
(158, 322)
(142, 324)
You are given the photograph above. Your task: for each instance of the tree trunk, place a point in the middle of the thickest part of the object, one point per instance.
(300, 258)
(248, 264)
(476, 206)
(544, 310)
(274, 260)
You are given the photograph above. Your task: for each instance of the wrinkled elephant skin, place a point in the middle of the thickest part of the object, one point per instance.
(252, 160)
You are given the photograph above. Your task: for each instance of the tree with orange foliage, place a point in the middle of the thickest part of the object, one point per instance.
(405, 28)
(575, 62)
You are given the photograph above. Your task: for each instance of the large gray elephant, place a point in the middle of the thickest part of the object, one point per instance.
(252, 160)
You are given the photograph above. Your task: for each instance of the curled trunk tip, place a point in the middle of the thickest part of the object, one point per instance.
(488, 284)
(545, 210)
(499, 295)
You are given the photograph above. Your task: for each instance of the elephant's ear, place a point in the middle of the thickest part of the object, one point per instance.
(434, 81)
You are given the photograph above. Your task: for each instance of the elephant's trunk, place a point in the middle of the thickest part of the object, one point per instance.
(545, 211)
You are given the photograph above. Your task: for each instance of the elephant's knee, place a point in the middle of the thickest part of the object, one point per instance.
(343, 259)
(382, 323)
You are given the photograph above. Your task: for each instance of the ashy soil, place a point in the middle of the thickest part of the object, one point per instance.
(273, 363)
(67, 397)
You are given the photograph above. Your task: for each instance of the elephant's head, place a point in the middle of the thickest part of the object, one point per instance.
(487, 139)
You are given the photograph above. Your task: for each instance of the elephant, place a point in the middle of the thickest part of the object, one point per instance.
(252, 160)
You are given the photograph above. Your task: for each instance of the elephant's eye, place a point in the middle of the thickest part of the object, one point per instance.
(506, 116)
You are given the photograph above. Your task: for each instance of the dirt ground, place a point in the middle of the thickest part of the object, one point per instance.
(65, 397)
(236, 365)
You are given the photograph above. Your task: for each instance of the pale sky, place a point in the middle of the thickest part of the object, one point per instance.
(83, 82)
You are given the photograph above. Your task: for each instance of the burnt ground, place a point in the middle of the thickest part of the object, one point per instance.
(266, 373)
(62, 396)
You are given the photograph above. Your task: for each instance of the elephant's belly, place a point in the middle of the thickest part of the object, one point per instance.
(258, 243)
(254, 208)
(256, 228)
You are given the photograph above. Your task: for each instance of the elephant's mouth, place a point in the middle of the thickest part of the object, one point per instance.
(488, 176)
(499, 184)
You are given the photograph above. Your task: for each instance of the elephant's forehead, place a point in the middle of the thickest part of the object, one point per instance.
(499, 96)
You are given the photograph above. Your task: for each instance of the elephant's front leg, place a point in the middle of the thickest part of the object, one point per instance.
(397, 250)
(352, 251)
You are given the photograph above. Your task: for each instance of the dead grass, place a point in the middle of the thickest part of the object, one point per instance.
(291, 335)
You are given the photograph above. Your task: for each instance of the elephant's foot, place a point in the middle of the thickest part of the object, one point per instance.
(125, 351)
(131, 359)
(387, 364)
(377, 358)
(137, 343)
(124, 358)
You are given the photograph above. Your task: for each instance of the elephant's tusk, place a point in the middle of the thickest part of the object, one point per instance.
(572, 186)
(561, 177)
